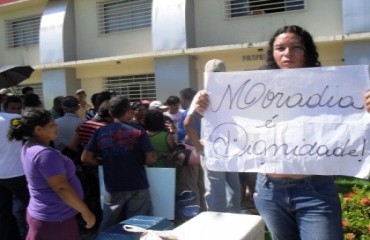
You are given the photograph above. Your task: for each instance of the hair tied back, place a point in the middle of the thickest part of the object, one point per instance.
(16, 122)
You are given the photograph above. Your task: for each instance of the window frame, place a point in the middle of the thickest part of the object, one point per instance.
(23, 32)
(135, 87)
(37, 89)
(123, 15)
(243, 8)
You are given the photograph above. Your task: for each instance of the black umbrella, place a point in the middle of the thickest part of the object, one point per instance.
(11, 75)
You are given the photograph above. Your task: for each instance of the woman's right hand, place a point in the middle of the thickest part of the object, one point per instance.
(89, 218)
(66, 192)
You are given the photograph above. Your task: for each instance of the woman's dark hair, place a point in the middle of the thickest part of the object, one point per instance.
(22, 128)
(154, 121)
(311, 55)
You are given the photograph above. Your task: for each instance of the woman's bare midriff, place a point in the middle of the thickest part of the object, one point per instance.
(289, 176)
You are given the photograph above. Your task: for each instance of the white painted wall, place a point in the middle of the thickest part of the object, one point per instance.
(211, 29)
(322, 18)
(90, 45)
(92, 77)
(23, 55)
(210, 25)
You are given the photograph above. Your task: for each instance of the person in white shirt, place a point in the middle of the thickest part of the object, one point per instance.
(12, 180)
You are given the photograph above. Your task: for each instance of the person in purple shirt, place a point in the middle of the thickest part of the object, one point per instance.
(55, 191)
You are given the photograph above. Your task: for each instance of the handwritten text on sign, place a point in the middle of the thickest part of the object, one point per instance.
(300, 121)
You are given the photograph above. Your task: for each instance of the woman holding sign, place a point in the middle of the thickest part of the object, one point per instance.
(294, 206)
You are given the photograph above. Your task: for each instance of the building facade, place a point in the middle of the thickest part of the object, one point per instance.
(150, 49)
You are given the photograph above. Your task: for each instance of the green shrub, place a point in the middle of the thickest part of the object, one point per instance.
(355, 213)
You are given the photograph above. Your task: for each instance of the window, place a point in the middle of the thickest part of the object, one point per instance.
(238, 8)
(23, 32)
(37, 89)
(119, 16)
(135, 87)
(241, 8)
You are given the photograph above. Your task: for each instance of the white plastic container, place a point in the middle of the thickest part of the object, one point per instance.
(221, 226)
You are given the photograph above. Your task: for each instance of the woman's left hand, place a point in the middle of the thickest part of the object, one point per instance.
(367, 101)
(201, 100)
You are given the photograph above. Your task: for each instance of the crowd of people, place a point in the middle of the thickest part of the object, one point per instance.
(50, 159)
(66, 149)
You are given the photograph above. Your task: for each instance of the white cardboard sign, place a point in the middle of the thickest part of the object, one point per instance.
(297, 121)
(162, 189)
(162, 182)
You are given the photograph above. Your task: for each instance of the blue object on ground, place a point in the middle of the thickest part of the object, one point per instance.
(116, 232)
(186, 207)
(190, 211)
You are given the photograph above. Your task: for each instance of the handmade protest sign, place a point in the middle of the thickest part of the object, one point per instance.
(294, 121)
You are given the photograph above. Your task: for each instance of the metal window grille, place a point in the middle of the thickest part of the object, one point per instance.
(135, 87)
(23, 32)
(241, 8)
(119, 16)
(37, 89)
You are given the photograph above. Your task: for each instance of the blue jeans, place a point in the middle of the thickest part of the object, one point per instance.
(119, 206)
(223, 191)
(307, 209)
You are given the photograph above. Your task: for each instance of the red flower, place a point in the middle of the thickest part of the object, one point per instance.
(348, 195)
(365, 201)
(345, 223)
(350, 236)
(346, 199)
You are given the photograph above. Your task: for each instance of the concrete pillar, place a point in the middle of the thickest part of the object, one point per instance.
(172, 74)
(172, 24)
(58, 45)
(356, 19)
(58, 82)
